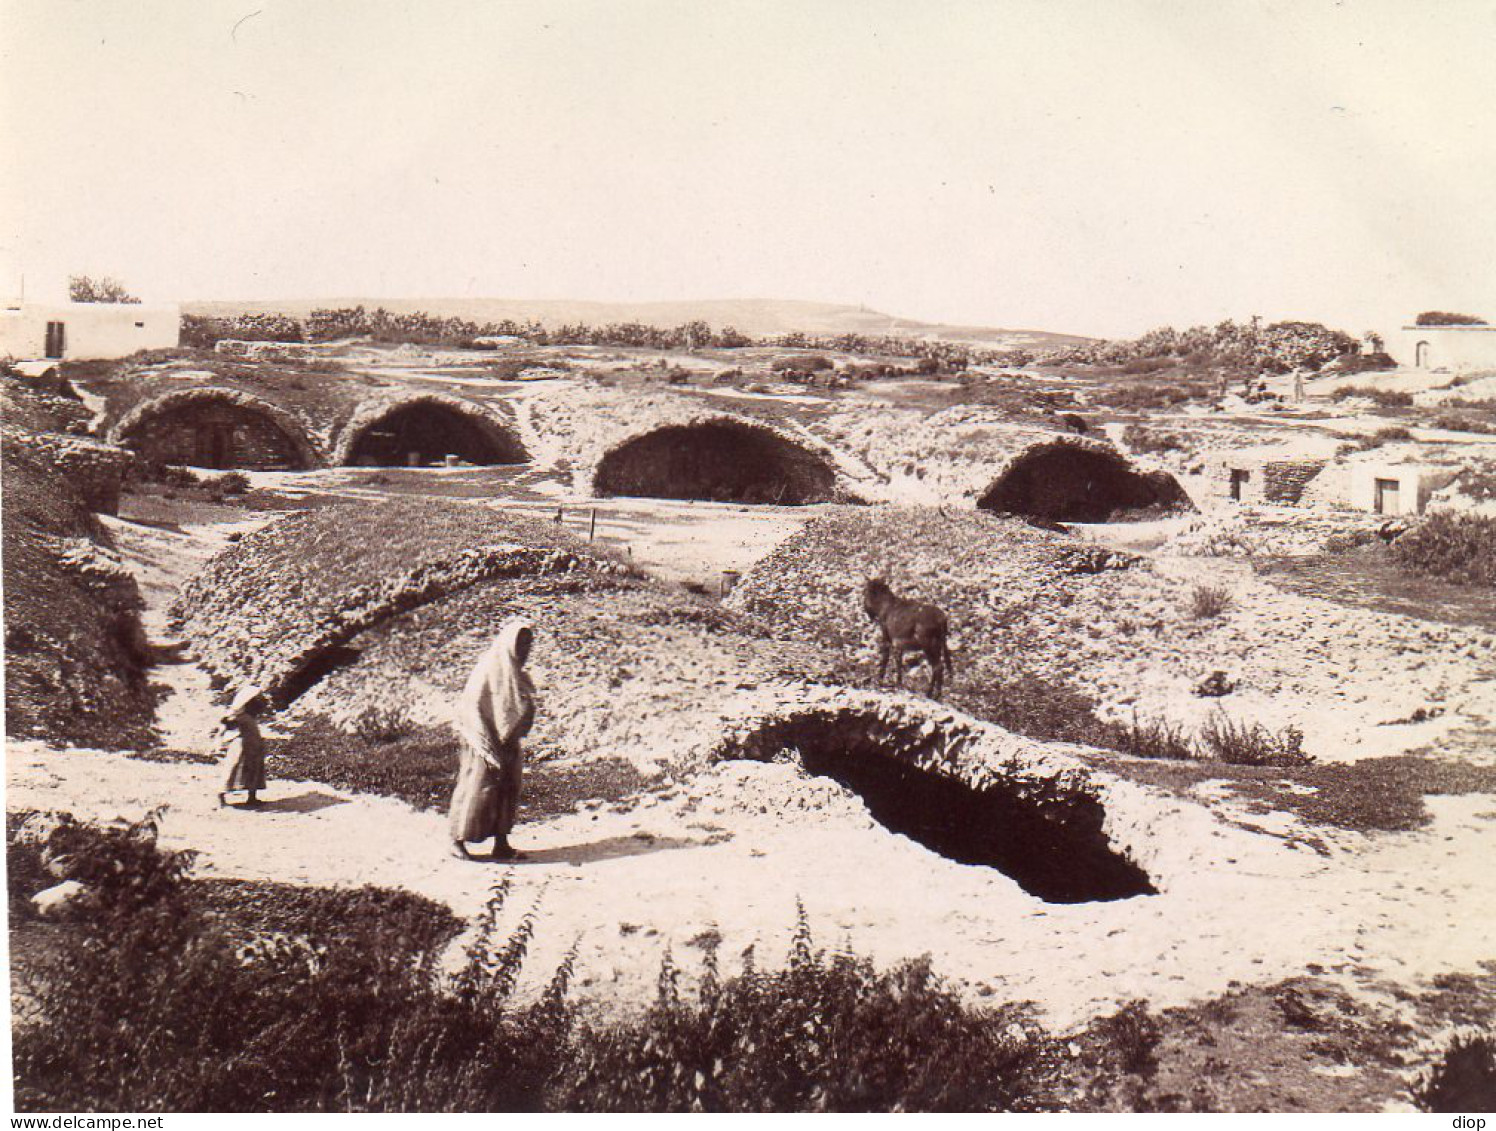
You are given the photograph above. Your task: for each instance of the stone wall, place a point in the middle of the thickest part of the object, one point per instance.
(95, 470)
(215, 434)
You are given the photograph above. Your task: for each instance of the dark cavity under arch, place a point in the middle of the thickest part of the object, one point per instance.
(1047, 838)
(1065, 482)
(426, 432)
(721, 461)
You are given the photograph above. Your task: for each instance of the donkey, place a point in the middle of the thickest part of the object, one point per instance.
(907, 626)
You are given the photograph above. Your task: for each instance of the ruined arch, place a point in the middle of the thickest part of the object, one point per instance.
(719, 459)
(1420, 355)
(1044, 831)
(217, 428)
(426, 428)
(1062, 481)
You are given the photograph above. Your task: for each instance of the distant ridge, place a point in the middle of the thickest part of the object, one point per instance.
(757, 317)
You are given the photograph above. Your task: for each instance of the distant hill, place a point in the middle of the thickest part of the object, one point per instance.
(758, 317)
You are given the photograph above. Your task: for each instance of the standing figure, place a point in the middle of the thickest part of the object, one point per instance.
(907, 626)
(494, 713)
(243, 748)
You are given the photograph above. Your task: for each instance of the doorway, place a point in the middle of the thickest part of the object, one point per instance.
(1387, 499)
(1420, 355)
(1239, 480)
(57, 333)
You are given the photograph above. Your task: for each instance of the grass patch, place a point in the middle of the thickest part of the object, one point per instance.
(1373, 795)
(418, 764)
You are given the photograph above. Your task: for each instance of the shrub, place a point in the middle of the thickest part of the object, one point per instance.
(822, 1034)
(1383, 398)
(1459, 422)
(153, 1005)
(1445, 318)
(1149, 440)
(1156, 738)
(1251, 744)
(1463, 1078)
(1391, 435)
(803, 364)
(382, 724)
(1452, 547)
(1209, 601)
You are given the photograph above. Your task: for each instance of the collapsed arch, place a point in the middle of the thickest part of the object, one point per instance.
(1046, 833)
(423, 429)
(218, 428)
(722, 460)
(1062, 481)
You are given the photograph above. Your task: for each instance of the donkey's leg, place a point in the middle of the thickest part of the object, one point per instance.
(937, 674)
(898, 666)
(882, 658)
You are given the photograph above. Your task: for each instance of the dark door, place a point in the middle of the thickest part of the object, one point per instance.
(1238, 479)
(56, 339)
(1387, 497)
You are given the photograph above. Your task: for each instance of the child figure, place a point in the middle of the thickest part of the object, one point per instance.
(243, 748)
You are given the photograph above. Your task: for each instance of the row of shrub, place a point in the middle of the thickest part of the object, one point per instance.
(1249, 346)
(421, 328)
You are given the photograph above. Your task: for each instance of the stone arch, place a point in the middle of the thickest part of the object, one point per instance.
(717, 458)
(1062, 481)
(216, 427)
(1420, 355)
(426, 428)
(1045, 831)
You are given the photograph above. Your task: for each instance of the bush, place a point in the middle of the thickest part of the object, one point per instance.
(157, 1001)
(1252, 744)
(1459, 422)
(1383, 398)
(1151, 441)
(383, 724)
(1391, 435)
(153, 1005)
(823, 1034)
(1452, 547)
(1463, 1079)
(1209, 601)
(1155, 738)
(1445, 318)
(811, 363)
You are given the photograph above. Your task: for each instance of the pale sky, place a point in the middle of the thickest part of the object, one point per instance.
(1097, 167)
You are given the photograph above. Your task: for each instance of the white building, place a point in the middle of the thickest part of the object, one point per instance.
(33, 331)
(1396, 488)
(1454, 348)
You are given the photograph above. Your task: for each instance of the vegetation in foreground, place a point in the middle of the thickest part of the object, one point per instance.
(1452, 547)
(156, 1001)
(170, 994)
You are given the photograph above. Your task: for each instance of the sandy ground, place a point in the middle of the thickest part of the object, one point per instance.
(726, 854)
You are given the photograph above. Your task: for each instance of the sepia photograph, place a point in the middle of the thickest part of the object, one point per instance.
(632, 556)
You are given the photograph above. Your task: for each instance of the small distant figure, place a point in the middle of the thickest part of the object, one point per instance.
(1075, 423)
(907, 626)
(243, 748)
(495, 711)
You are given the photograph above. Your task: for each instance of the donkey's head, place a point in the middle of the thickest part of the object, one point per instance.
(876, 596)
